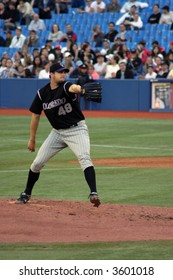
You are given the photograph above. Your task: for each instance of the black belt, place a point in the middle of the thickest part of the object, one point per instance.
(73, 125)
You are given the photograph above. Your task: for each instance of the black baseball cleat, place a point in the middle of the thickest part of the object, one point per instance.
(94, 198)
(23, 198)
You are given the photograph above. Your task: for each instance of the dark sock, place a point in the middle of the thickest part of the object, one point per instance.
(32, 178)
(90, 178)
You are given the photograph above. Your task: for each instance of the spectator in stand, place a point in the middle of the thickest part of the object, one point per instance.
(124, 72)
(150, 75)
(161, 49)
(68, 46)
(58, 54)
(61, 6)
(113, 7)
(155, 52)
(76, 72)
(123, 52)
(97, 36)
(86, 9)
(87, 53)
(106, 47)
(48, 46)
(123, 34)
(155, 17)
(27, 62)
(44, 54)
(19, 39)
(112, 32)
(74, 50)
(68, 62)
(157, 62)
(84, 76)
(26, 52)
(149, 60)
(20, 71)
(35, 52)
(37, 66)
(17, 56)
(116, 46)
(134, 63)
(12, 17)
(26, 12)
(127, 16)
(142, 51)
(135, 24)
(112, 66)
(98, 6)
(166, 16)
(91, 71)
(99, 67)
(69, 35)
(127, 5)
(32, 40)
(46, 7)
(44, 73)
(56, 34)
(9, 71)
(164, 71)
(37, 24)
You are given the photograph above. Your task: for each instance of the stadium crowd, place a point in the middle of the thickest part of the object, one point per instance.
(105, 56)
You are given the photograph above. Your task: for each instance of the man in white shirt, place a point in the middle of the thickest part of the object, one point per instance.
(166, 16)
(150, 73)
(98, 6)
(135, 24)
(37, 24)
(99, 67)
(127, 5)
(127, 16)
(19, 39)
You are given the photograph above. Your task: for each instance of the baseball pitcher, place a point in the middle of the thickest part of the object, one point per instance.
(58, 99)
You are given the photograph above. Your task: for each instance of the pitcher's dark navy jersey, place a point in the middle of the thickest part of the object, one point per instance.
(60, 106)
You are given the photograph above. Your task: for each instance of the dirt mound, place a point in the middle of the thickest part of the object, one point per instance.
(72, 221)
(159, 162)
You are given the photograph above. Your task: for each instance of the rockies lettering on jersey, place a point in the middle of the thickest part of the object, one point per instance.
(54, 103)
(59, 105)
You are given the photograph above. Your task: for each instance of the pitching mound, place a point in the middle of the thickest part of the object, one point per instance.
(66, 221)
(158, 162)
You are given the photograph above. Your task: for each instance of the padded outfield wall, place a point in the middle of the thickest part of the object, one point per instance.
(126, 95)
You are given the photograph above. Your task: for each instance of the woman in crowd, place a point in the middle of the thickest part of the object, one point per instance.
(56, 34)
(37, 66)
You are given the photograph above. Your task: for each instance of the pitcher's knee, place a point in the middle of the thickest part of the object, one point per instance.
(85, 161)
(36, 166)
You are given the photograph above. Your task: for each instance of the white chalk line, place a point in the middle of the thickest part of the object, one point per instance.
(133, 148)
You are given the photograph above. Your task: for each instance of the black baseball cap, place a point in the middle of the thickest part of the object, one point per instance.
(57, 67)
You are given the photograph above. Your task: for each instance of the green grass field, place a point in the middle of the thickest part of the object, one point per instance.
(110, 138)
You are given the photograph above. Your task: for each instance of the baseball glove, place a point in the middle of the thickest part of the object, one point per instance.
(92, 91)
